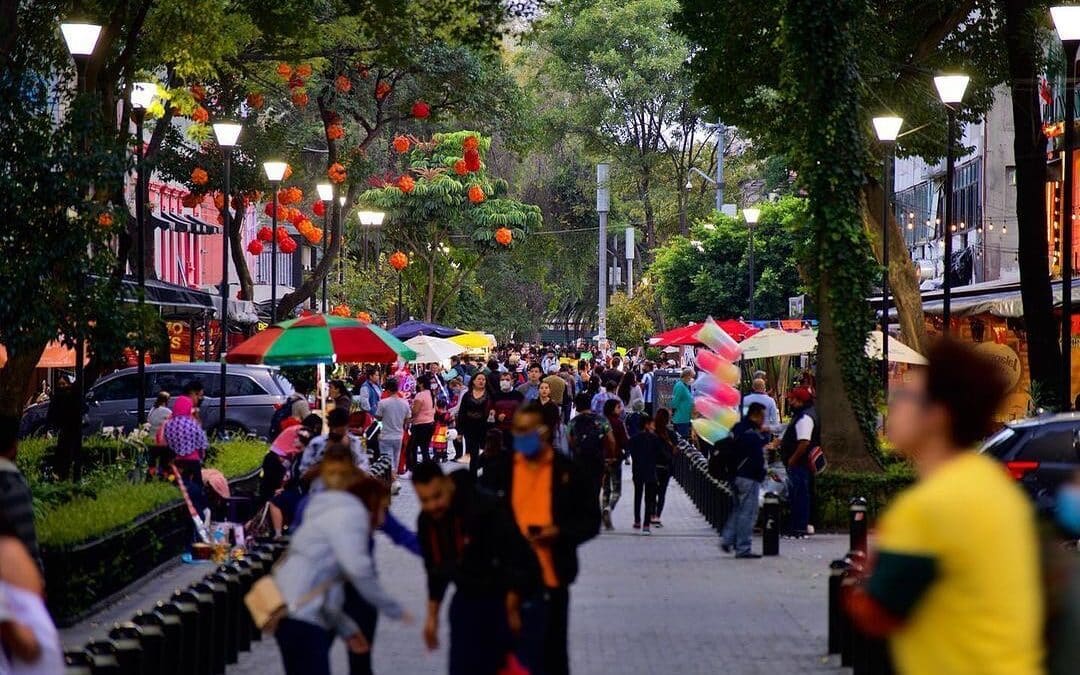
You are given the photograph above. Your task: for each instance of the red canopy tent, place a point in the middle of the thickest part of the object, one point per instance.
(686, 335)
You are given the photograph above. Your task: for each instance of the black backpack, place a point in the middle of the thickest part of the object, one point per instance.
(588, 436)
(280, 416)
(723, 463)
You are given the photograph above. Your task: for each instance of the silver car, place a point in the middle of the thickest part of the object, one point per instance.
(253, 394)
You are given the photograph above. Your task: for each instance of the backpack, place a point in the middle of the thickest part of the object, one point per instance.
(588, 436)
(280, 415)
(723, 463)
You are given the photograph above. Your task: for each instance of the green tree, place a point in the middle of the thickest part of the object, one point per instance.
(628, 321)
(709, 274)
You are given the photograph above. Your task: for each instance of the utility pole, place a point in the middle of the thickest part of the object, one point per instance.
(721, 141)
(629, 262)
(603, 205)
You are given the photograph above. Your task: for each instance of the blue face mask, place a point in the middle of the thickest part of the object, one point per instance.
(527, 444)
(1068, 508)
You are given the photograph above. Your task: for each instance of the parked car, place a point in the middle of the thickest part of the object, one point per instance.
(1041, 453)
(253, 393)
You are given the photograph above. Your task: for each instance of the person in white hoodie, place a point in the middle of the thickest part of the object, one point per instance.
(332, 546)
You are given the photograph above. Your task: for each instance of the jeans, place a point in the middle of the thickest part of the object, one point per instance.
(367, 617)
(391, 447)
(611, 489)
(305, 647)
(739, 528)
(542, 646)
(419, 439)
(649, 488)
(479, 635)
(799, 498)
(663, 477)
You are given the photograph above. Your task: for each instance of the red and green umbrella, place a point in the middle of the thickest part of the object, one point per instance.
(320, 338)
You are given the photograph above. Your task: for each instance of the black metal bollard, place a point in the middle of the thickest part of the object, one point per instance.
(77, 662)
(857, 524)
(180, 619)
(242, 571)
(103, 659)
(878, 660)
(254, 567)
(204, 626)
(770, 536)
(837, 618)
(854, 560)
(129, 649)
(239, 642)
(219, 636)
(160, 656)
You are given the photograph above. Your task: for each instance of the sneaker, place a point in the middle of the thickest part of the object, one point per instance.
(656, 523)
(645, 530)
(395, 488)
(606, 517)
(747, 556)
(637, 526)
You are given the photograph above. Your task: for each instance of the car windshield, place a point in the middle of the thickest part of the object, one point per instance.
(1000, 443)
(283, 382)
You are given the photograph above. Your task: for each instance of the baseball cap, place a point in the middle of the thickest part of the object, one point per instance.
(800, 395)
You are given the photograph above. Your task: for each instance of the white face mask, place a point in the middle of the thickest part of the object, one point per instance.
(434, 386)
(506, 385)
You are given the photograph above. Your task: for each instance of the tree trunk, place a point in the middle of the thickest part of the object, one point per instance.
(644, 183)
(1029, 144)
(903, 274)
(841, 436)
(429, 296)
(243, 273)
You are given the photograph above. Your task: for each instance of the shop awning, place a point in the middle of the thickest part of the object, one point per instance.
(997, 298)
(173, 299)
(178, 222)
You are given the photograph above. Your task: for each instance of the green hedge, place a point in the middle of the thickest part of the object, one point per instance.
(109, 497)
(833, 492)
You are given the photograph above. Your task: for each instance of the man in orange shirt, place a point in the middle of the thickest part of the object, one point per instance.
(554, 508)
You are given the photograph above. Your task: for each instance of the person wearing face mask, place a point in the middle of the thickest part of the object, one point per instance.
(423, 419)
(956, 584)
(503, 405)
(554, 508)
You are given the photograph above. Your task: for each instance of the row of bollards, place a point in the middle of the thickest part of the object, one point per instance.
(199, 631)
(864, 654)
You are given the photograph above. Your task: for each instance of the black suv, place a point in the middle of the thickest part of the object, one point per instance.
(1041, 453)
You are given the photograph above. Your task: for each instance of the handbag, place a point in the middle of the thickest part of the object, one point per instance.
(267, 605)
(817, 460)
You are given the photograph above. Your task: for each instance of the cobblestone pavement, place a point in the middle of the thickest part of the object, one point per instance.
(669, 603)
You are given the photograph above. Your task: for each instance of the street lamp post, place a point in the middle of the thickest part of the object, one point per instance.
(887, 128)
(326, 194)
(951, 90)
(603, 205)
(275, 173)
(751, 216)
(227, 134)
(1067, 23)
(369, 219)
(341, 248)
(142, 96)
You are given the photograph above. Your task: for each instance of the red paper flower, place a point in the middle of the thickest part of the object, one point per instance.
(421, 110)
(336, 173)
(472, 160)
(476, 194)
(105, 219)
(270, 208)
(304, 70)
(342, 84)
(200, 115)
(319, 208)
(256, 100)
(287, 245)
(295, 82)
(284, 70)
(300, 99)
(402, 144)
(382, 90)
(255, 247)
(406, 184)
(398, 260)
(265, 234)
(471, 143)
(504, 236)
(199, 176)
(335, 132)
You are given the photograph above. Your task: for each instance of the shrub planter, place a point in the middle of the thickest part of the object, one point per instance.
(80, 579)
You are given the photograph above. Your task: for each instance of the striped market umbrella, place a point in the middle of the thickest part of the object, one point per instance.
(320, 338)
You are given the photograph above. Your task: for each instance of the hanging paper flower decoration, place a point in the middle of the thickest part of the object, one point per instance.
(421, 110)
(402, 144)
(239, 202)
(336, 173)
(105, 219)
(471, 143)
(340, 310)
(303, 225)
(363, 316)
(295, 82)
(319, 208)
(265, 234)
(287, 245)
(476, 194)
(295, 216)
(256, 100)
(198, 92)
(398, 260)
(290, 195)
(342, 84)
(460, 168)
(362, 70)
(199, 176)
(219, 201)
(255, 247)
(382, 90)
(472, 160)
(284, 70)
(335, 132)
(304, 70)
(314, 235)
(271, 208)
(300, 99)
(200, 115)
(406, 184)
(288, 172)
(504, 236)
(191, 200)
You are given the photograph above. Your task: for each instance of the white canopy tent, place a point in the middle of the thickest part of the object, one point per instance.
(430, 349)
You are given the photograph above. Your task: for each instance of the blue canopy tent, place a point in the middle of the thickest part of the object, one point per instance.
(410, 329)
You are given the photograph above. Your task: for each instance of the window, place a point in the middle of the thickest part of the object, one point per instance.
(1053, 444)
(118, 389)
(238, 385)
(1010, 175)
(171, 382)
(1000, 443)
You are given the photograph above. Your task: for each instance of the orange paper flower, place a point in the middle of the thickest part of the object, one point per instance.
(290, 195)
(402, 144)
(219, 201)
(198, 92)
(342, 84)
(460, 168)
(363, 316)
(256, 100)
(288, 172)
(200, 115)
(406, 184)
(105, 219)
(476, 194)
(336, 173)
(471, 143)
(398, 260)
(191, 200)
(382, 90)
(504, 236)
(284, 71)
(304, 70)
(199, 176)
(300, 99)
(335, 132)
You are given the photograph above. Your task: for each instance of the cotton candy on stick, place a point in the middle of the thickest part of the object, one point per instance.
(715, 338)
(717, 366)
(710, 431)
(724, 393)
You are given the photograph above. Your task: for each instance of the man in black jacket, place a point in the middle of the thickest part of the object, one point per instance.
(554, 505)
(749, 469)
(468, 537)
(16, 502)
